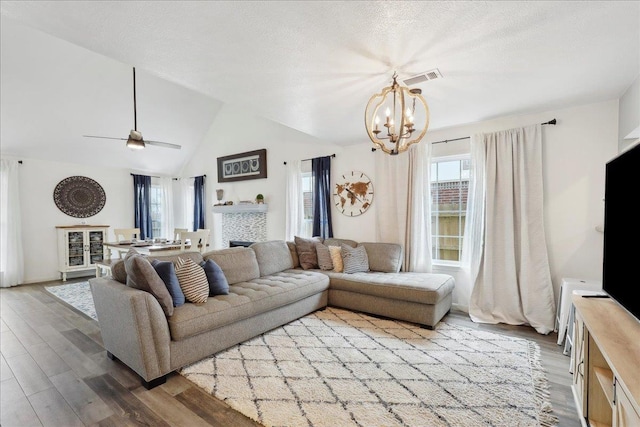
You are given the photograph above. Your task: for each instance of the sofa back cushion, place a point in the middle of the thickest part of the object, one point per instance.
(239, 264)
(384, 257)
(272, 256)
(337, 242)
(196, 257)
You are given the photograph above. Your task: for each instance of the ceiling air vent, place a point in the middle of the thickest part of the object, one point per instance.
(423, 77)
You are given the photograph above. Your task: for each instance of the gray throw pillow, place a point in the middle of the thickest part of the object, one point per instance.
(307, 254)
(167, 273)
(324, 257)
(355, 260)
(118, 272)
(141, 275)
(218, 284)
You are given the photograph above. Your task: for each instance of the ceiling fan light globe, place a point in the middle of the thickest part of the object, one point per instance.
(134, 134)
(135, 144)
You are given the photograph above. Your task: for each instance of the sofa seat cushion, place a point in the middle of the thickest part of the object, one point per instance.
(245, 299)
(425, 288)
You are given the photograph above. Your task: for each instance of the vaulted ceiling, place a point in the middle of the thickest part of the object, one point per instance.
(309, 65)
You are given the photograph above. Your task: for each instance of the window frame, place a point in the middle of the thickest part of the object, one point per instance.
(460, 236)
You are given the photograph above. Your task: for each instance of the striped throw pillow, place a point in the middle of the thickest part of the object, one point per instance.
(193, 280)
(354, 260)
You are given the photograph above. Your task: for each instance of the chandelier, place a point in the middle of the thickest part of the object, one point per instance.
(396, 134)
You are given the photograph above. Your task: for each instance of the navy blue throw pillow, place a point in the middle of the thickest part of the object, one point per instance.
(167, 273)
(218, 284)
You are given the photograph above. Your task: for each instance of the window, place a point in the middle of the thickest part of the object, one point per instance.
(307, 197)
(157, 209)
(449, 189)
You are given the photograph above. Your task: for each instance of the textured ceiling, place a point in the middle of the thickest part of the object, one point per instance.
(312, 65)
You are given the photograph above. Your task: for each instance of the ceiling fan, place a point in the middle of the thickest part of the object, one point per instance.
(135, 140)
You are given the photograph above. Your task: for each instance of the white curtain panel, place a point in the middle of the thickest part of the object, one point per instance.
(418, 237)
(473, 241)
(166, 184)
(513, 284)
(294, 200)
(11, 255)
(392, 181)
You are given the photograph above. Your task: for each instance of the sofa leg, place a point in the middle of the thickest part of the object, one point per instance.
(431, 328)
(111, 356)
(154, 383)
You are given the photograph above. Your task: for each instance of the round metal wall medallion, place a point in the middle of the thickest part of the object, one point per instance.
(79, 196)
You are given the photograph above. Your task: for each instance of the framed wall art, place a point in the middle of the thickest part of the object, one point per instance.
(243, 166)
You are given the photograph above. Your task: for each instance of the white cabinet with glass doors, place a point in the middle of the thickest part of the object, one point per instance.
(80, 247)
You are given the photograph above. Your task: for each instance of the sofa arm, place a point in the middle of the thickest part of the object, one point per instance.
(133, 326)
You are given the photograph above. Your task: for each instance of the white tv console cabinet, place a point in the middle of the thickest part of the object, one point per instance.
(606, 358)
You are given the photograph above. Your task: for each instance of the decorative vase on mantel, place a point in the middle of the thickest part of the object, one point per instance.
(219, 196)
(259, 199)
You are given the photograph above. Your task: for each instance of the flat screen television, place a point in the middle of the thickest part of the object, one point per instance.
(620, 272)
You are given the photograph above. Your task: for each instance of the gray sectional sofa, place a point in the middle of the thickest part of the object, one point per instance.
(267, 289)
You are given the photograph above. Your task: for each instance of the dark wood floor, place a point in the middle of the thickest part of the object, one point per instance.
(55, 372)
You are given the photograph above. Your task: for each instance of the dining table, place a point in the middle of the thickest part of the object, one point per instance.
(172, 247)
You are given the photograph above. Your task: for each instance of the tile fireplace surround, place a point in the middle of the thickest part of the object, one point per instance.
(241, 223)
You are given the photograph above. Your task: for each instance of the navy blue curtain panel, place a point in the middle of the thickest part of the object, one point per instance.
(321, 170)
(198, 203)
(142, 205)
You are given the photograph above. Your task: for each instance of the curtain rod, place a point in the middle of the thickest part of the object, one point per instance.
(153, 176)
(550, 122)
(190, 177)
(304, 160)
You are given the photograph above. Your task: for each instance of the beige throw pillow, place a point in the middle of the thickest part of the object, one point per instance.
(193, 280)
(336, 258)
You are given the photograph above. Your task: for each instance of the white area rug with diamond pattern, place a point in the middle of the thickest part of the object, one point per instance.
(339, 368)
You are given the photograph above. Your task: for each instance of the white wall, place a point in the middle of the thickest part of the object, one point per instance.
(629, 123)
(235, 130)
(40, 215)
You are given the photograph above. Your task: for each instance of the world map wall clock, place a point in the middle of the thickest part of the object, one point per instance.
(353, 193)
(79, 196)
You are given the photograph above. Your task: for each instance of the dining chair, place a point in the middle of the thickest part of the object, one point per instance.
(124, 234)
(177, 231)
(197, 239)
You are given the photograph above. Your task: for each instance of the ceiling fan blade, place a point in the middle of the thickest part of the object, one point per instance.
(104, 137)
(163, 144)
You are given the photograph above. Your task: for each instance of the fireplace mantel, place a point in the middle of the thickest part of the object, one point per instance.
(249, 207)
